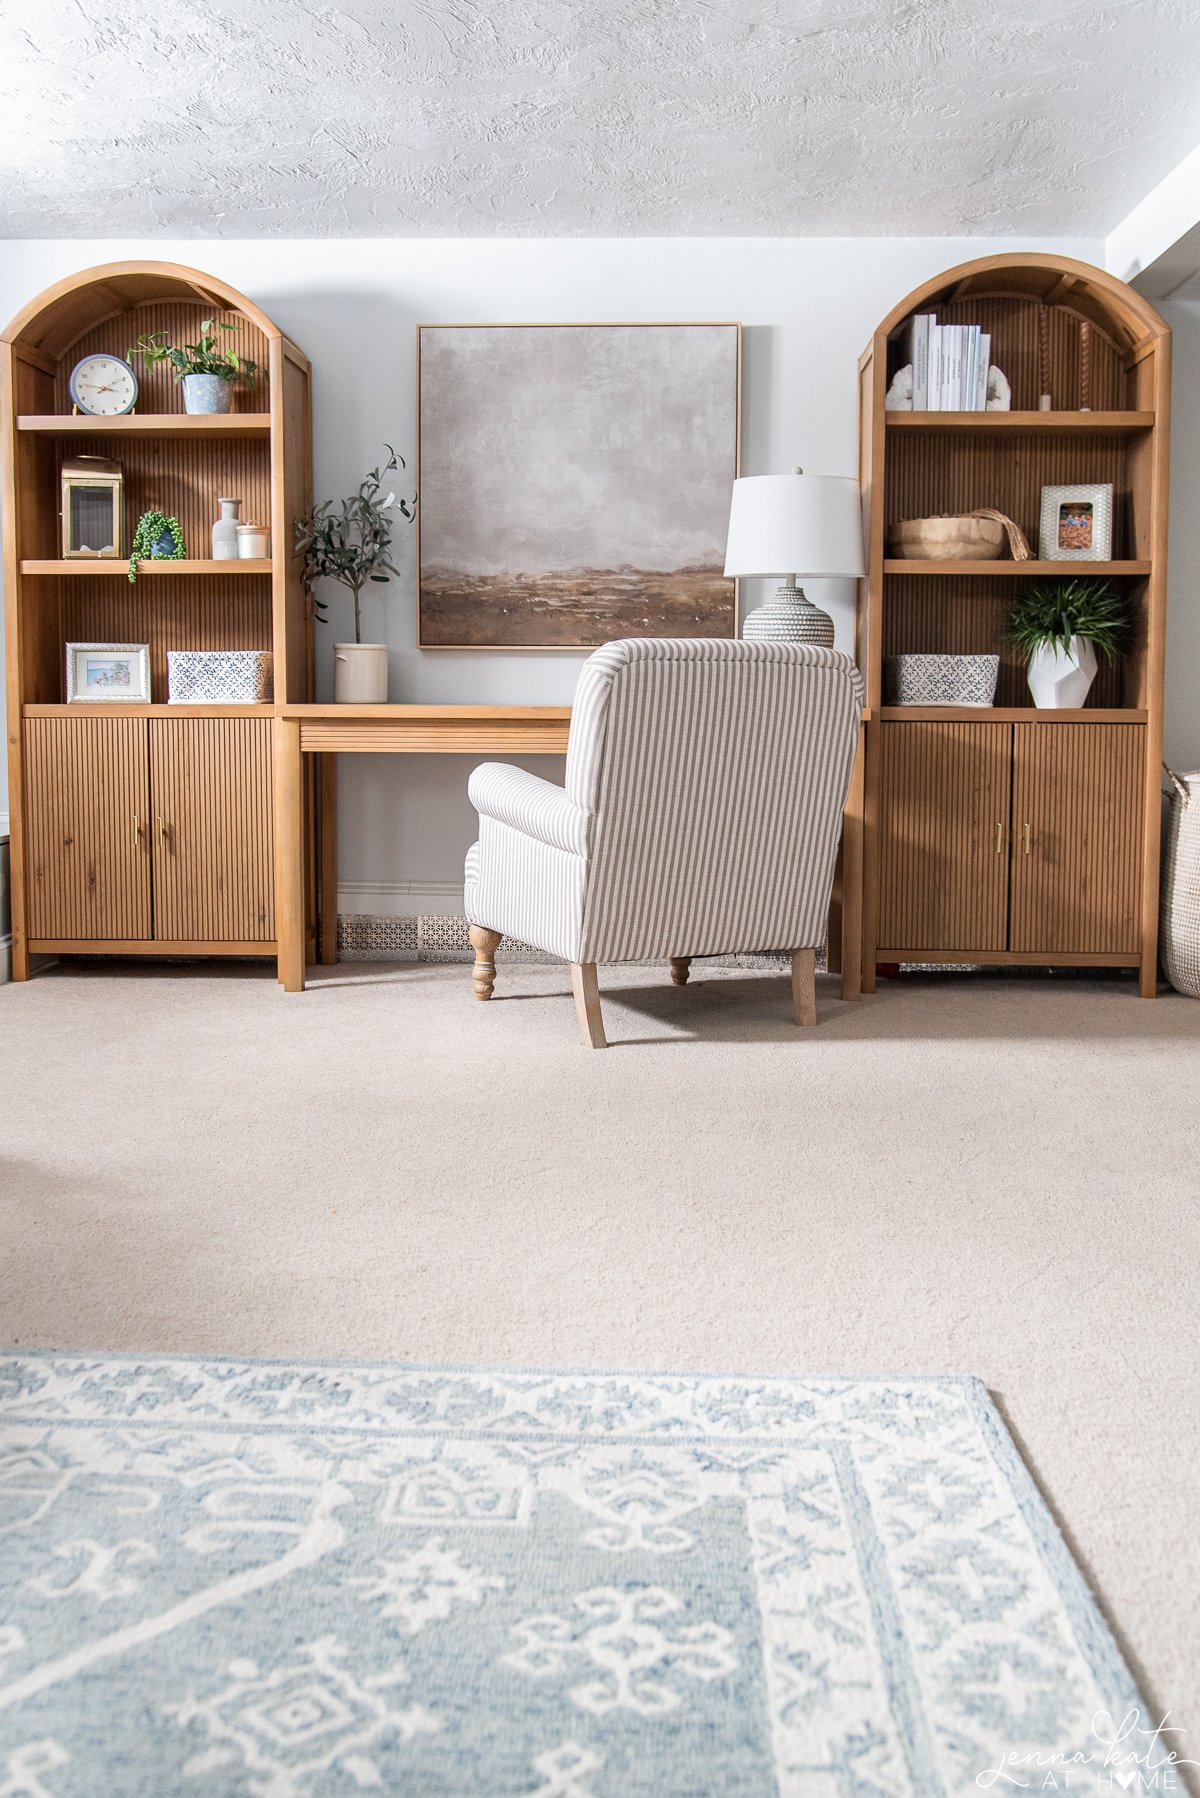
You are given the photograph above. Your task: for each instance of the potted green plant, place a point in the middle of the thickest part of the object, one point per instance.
(1061, 626)
(350, 541)
(206, 369)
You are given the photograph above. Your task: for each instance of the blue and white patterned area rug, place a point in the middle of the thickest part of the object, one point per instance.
(281, 1579)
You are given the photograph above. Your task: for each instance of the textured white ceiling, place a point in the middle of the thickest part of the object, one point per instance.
(299, 118)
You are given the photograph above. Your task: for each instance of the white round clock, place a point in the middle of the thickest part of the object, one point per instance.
(103, 386)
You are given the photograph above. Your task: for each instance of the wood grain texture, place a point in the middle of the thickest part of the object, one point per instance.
(147, 424)
(289, 850)
(211, 787)
(804, 986)
(928, 463)
(87, 812)
(586, 988)
(944, 803)
(494, 736)
(1077, 839)
(213, 763)
(169, 612)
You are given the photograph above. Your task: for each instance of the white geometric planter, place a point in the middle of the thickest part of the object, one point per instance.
(1059, 681)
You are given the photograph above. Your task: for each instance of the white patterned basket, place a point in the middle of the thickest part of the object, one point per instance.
(1179, 919)
(942, 680)
(219, 676)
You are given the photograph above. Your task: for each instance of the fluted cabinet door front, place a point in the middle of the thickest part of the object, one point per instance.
(943, 842)
(214, 837)
(1077, 838)
(87, 829)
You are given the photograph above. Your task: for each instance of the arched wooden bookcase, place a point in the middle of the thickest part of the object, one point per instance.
(1011, 835)
(147, 829)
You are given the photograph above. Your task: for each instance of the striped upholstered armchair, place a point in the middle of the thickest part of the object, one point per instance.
(701, 816)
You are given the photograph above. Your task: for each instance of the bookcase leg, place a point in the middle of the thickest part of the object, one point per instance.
(289, 827)
(329, 900)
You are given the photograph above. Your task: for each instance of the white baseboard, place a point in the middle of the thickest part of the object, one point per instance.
(399, 899)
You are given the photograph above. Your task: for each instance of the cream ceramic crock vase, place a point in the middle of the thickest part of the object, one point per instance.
(360, 673)
(1059, 681)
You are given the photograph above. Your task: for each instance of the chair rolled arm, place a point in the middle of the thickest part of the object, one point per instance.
(530, 804)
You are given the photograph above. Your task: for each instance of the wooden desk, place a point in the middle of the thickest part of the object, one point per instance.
(328, 731)
(332, 730)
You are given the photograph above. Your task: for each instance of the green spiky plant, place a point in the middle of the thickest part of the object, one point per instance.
(350, 540)
(1056, 611)
(205, 357)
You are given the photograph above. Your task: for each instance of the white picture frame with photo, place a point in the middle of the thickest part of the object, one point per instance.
(108, 673)
(1076, 523)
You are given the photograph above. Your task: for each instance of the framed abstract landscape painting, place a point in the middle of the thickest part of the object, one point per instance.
(575, 483)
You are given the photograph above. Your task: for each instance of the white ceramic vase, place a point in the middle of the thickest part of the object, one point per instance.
(225, 531)
(1057, 680)
(360, 673)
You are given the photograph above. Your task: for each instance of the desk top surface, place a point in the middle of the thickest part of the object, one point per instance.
(426, 714)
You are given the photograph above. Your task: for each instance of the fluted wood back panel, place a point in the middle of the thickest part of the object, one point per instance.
(87, 821)
(158, 391)
(923, 481)
(214, 869)
(167, 612)
(938, 615)
(1015, 325)
(1079, 789)
(944, 809)
(184, 478)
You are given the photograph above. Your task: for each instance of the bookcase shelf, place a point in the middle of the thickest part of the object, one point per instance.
(1011, 424)
(76, 567)
(144, 827)
(119, 708)
(208, 427)
(1018, 570)
(1007, 834)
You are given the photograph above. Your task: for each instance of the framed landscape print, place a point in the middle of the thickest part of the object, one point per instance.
(575, 483)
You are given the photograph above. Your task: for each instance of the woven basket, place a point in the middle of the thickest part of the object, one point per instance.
(1179, 920)
(977, 536)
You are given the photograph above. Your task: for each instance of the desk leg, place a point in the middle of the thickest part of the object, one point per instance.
(852, 882)
(329, 860)
(289, 831)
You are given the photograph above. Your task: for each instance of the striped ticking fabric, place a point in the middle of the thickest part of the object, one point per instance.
(702, 809)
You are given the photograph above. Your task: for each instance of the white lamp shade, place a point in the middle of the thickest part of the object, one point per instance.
(802, 524)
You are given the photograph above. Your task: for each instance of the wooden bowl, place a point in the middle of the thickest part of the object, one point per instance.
(947, 539)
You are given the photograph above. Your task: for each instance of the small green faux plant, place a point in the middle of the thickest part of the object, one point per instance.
(206, 357)
(350, 540)
(1056, 611)
(147, 545)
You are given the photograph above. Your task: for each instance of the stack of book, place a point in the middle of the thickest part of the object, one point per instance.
(949, 364)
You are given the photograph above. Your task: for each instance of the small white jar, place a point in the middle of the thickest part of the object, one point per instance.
(254, 542)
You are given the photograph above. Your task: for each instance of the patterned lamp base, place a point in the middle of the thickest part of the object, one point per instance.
(789, 618)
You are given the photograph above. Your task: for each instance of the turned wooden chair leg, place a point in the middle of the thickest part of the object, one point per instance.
(804, 986)
(681, 967)
(485, 944)
(586, 989)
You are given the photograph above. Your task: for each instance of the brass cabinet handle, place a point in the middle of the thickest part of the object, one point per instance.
(1027, 839)
(137, 831)
(161, 831)
(999, 836)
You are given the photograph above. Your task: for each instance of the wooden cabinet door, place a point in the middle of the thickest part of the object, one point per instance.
(1077, 838)
(944, 806)
(87, 819)
(214, 837)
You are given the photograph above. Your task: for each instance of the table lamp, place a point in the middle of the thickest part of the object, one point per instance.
(794, 525)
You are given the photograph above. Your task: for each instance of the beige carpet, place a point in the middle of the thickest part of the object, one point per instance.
(962, 1174)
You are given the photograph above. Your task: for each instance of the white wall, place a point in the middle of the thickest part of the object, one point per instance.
(808, 305)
